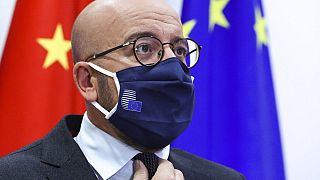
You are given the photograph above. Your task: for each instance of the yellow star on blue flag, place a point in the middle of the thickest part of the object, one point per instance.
(216, 16)
(260, 28)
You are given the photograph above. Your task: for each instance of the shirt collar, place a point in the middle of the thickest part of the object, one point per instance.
(105, 153)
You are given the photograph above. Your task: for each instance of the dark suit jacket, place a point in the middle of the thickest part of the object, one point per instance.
(57, 156)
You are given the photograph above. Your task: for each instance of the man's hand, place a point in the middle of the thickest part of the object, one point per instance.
(165, 171)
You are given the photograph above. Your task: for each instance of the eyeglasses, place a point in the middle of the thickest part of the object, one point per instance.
(149, 50)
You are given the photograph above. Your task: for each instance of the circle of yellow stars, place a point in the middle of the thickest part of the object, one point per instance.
(218, 18)
(57, 48)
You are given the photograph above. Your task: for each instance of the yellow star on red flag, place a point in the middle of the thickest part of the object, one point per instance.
(57, 48)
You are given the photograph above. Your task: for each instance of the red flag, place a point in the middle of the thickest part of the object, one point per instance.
(36, 84)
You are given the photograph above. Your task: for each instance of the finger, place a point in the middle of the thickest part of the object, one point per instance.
(178, 174)
(165, 164)
(165, 171)
(140, 171)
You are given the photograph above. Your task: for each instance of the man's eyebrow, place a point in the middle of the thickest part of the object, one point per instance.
(175, 39)
(134, 36)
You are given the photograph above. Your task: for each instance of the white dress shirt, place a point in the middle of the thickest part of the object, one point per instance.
(109, 157)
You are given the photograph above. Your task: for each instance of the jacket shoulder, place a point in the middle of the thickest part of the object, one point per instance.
(23, 163)
(194, 167)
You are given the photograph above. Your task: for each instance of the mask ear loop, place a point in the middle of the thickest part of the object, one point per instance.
(116, 81)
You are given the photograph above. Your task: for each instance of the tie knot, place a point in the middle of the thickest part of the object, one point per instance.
(150, 160)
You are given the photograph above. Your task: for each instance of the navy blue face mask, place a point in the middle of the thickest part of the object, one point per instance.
(155, 104)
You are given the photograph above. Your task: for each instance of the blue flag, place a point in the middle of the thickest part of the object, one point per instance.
(235, 121)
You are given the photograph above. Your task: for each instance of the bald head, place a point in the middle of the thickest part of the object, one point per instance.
(107, 23)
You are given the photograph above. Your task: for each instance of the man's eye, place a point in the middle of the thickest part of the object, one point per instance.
(143, 49)
(180, 51)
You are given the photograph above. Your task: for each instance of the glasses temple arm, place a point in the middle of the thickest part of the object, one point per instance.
(109, 51)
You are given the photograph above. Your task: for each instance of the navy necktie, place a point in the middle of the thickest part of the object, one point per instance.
(150, 160)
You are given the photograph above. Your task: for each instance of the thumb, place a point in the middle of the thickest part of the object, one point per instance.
(140, 171)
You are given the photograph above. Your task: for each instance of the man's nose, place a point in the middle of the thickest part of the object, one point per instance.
(168, 52)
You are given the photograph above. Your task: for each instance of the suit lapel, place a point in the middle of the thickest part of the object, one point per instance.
(63, 159)
(62, 155)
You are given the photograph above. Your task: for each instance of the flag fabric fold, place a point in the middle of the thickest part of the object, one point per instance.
(235, 122)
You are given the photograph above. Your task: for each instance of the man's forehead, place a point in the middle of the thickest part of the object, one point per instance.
(152, 20)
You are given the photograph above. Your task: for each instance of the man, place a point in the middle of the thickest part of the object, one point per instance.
(131, 67)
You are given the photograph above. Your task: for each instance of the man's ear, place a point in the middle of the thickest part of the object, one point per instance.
(86, 84)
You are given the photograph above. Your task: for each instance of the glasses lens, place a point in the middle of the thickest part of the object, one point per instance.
(148, 50)
(187, 51)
